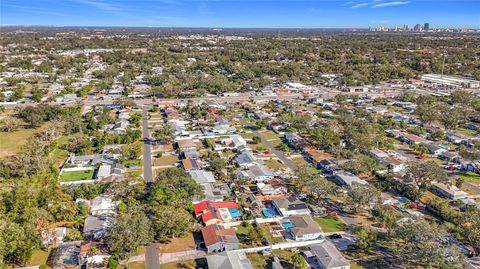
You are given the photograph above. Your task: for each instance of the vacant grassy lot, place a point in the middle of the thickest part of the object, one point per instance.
(11, 142)
(330, 224)
(176, 265)
(76, 175)
(178, 244)
(300, 161)
(274, 164)
(165, 161)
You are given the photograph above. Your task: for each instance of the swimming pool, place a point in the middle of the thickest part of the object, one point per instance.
(267, 213)
(234, 212)
(287, 225)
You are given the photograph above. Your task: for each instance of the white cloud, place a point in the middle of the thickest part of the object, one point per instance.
(359, 5)
(391, 4)
(100, 5)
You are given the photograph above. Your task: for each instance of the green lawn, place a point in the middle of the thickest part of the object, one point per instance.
(269, 134)
(247, 135)
(466, 131)
(134, 173)
(39, 257)
(330, 224)
(77, 175)
(133, 163)
(470, 177)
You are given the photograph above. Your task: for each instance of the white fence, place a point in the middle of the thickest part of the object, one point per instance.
(282, 246)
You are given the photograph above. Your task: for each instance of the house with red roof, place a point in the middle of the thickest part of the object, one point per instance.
(218, 239)
(217, 212)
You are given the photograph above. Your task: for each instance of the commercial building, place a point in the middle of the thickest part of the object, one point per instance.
(451, 81)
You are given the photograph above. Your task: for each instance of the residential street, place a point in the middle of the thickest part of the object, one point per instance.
(152, 259)
(267, 143)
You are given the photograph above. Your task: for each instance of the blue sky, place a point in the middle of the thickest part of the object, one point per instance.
(241, 13)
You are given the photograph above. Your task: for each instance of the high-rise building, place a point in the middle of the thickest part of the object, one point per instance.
(426, 26)
(417, 27)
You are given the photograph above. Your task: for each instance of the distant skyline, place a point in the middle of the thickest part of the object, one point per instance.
(242, 13)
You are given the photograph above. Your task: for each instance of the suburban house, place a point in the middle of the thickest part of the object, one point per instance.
(229, 260)
(245, 159)
(290, 206)
(192, 164)
(103, 205)
(218, 239)
(325, 256)
(394, 164)
(186, 144)
(202, 176)
(343, 178)
(271, 188)
(216, 212)
(53, 237)
(257, 172)
(216, 192)
(450, 157)
(433, 149)
(95, 227)
(328, 166)
(316, 156)
(411, 138)
(110, 171)
(294, 140)
(304, 228)
(448, 191)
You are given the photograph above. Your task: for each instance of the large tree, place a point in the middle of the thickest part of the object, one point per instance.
(424, 172)
(418, 243)
(131, 230)
(362, 196)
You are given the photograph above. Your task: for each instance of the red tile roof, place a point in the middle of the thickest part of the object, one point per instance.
(208, 210)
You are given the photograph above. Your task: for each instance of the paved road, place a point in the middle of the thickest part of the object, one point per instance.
(152, 258)
(272, 148)
(147, 148)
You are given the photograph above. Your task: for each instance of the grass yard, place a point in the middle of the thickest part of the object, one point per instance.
(134, 174)
(269, 236)
(180, 264)
(258, 261)
(165, 161)
(330, 224)
(178, 244)
(39, 257)
(137, 265)
(247, 135)
(274, 164)
(470, 177)
(11, 142)
(466, 131)
(133, 163)
(269, 134)
(76, 175)
(469, 190)
(299, 161)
